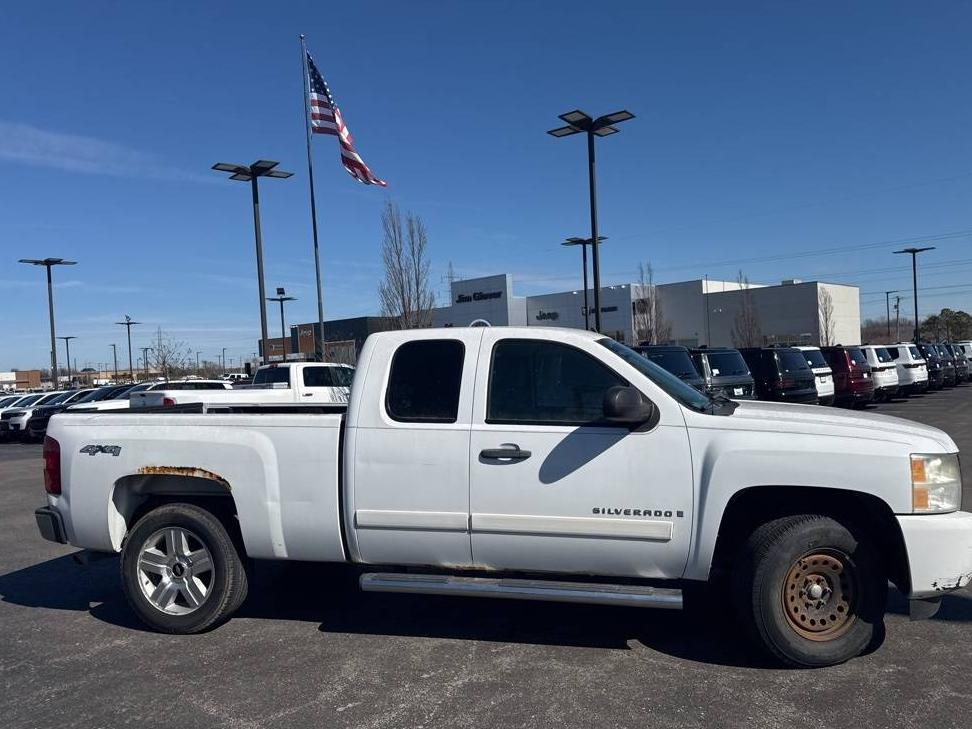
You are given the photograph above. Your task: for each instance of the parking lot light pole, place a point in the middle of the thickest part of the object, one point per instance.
(48, 263)
(128, 324)
(282, 297)
(577, 122)
(583, 243)
(251, 173)
(145, 351)
(914, 282)
(67, 352)
(114, 357)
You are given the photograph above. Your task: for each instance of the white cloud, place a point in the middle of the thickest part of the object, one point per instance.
(76, 153)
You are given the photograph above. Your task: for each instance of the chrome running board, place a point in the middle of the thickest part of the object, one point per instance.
(517, 589)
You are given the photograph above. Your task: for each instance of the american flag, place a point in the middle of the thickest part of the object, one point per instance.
(326, 119)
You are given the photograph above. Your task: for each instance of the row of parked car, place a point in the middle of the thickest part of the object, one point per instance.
(26, 415)
(845, 375)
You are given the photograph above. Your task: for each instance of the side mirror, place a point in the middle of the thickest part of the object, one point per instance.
(627, 406)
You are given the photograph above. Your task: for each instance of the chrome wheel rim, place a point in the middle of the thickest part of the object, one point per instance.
(175, 571)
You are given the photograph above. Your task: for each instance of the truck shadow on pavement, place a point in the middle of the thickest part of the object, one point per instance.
(328, 595)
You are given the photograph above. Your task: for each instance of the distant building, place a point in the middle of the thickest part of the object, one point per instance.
(20, 380)
(343, 339)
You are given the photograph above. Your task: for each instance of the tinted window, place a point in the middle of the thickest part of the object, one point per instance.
(424, 382)
(4, 402)
(893, 352)
(675, 361)
(684, 393)
(727, 364)
(792, 361)
(44, 399)
(856, 356)
(59, 398)
(814, 358)
(914, 352)
(328, 376)
(30, 400)
(270, 375)
(882, 354)
(546, 382)
(120, 393)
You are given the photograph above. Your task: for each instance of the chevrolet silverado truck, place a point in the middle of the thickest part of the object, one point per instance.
(280, 384)
(529, 463)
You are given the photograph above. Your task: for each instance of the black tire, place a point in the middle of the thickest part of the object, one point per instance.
(226, 581)
(776, 598)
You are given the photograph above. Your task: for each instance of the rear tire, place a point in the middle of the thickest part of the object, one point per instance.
(810, 591)
(181, 571)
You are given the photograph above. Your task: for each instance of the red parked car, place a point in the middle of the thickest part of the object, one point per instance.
(853, 383)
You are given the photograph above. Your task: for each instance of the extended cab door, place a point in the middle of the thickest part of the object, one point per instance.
(407, 452)
(553, 489)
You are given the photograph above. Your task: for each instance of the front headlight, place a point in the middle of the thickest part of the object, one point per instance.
(936, 483)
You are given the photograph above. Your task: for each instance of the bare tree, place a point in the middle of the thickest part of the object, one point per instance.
(746, 329)
(405, 293)
(650, 325)
(825, 306)
(171, 358)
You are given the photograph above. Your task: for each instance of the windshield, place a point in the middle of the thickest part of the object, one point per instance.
(4, 402)
(791, 361)
(685, 394)
(727, 364)
(815, 358)
(60, 398)
(675, 361)
(122, 393)
(882, 354)
(29, 400)
(270, 375)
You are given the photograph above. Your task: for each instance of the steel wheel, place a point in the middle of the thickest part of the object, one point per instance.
(820, 595)
(175, 571)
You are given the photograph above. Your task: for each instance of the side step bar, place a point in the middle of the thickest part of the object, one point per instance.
(517, 589)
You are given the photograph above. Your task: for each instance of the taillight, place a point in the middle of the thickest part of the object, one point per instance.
(168, 402)
(52, 466)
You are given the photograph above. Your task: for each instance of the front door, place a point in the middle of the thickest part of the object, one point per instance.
(553, 489)
(408, 452)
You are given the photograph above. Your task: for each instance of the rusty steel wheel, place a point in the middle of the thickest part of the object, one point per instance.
(820, 595)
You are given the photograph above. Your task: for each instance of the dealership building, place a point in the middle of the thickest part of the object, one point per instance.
(692, 313)
(699, 312)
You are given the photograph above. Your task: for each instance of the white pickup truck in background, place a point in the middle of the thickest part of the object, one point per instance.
(273, 384)
(530, 463)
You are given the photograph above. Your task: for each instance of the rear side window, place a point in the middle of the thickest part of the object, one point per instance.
(541, 382)
(328, 376)
(424, 383)
(882, 354)
(792, 361)
(856, 356)
(814, 358)
(893, 352)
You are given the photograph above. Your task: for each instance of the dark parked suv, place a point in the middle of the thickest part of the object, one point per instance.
(961, 362)
(674, 359)
(781, 374)
(936, 368)
(853, 383)
(948, 365)
(725, 372)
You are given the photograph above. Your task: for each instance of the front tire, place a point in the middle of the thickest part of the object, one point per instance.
(181, 571)
(810, 591)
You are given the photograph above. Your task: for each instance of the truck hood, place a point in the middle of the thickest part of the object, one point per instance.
(817, 420)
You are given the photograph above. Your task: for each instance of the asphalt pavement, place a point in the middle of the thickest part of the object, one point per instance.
(309, 650)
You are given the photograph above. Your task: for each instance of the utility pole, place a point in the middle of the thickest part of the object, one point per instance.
(897, 318)
(128, 324)
(67, 348)
(223, 357)
(114, 356)
(197, 363)
(145, 351)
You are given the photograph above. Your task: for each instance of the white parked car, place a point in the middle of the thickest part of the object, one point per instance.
(124, 398)
(911, 367)
(525, 463)
(823, 375)
(13, 420)
(310, 383)
(884, 371)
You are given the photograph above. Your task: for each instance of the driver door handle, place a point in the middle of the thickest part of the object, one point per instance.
(509, 451)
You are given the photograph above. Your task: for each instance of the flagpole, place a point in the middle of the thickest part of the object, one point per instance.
(318, 343)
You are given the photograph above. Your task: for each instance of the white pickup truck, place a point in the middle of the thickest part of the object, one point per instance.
(544, 464)
(273, 384)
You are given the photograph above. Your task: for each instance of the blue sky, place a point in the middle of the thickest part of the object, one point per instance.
(786, 139)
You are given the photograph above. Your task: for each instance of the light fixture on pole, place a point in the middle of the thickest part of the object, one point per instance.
(48, 263)
(583, 243)
(128, 324)
(251, 173)
(282, 297)
(577, 122)
(914, 281)
(67, 352)
(887, 306)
